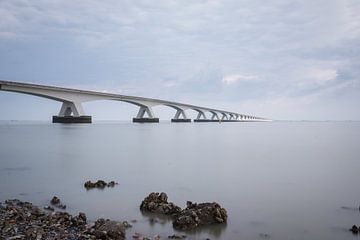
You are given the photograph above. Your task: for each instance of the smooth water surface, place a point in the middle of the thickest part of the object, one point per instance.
(288, 180)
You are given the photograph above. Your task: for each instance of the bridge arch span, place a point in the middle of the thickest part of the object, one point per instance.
(72, 111)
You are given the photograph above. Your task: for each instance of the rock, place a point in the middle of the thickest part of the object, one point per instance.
(126, 224)
(34, 233)
(107, 229)
(354, 229)
(22, 220)
(195, 215)
(157, 203)
(112, 184)
(176, 236)
(49, 208)
(99, 184)
(79, 220)
(55, 200)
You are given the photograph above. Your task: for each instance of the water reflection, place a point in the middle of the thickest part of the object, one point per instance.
(213, 230)
(155, 218)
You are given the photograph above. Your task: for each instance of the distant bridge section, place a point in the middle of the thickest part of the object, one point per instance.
(72, 111)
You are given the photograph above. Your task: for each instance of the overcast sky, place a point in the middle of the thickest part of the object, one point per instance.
(280, 59)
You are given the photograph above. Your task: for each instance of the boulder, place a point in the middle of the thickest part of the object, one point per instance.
(354, 229)
(157, 203)
(195, 215)
(107, 229)
(99, 184)
(55, 200)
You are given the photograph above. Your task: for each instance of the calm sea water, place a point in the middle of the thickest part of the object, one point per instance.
(288, 180)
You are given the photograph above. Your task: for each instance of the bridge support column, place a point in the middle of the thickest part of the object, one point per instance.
(224, 117)
(140, 116)
(232, 118)
(71, 112)
(201, 117)
(180, 112)
(214, 118)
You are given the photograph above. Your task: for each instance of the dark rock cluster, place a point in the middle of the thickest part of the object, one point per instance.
(195, 215)
(192, 216)
(354, 229)
(22, 220)
(176, 236)
(107, 229)
(99, 184)
(55, 201)
(158, 203)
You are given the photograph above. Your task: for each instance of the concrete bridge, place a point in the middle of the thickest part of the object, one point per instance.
(72, 111)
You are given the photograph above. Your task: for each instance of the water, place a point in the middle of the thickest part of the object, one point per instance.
(288, 180)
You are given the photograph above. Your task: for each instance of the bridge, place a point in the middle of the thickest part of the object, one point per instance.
(72, 111)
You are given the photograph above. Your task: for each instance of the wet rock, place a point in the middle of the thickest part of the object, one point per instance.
(112, 184)
(34, 232)
(354, 229)
(22, 220)
(49, 208)
(195, 215)
(127, 224)
(157, 203)
(107, 229)
(55, 201)
(79, 220)
(176, 236)
(99, 184)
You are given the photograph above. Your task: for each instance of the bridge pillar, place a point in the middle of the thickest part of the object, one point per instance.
(180, 112)
(71, 112)
(224, 117)
(215, 116)
(140, 118)
(201, 117)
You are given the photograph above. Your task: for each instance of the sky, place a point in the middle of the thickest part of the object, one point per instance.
(279, 59)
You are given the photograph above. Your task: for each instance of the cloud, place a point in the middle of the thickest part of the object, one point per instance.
(322, 76)
(221, 51)
(236, 78)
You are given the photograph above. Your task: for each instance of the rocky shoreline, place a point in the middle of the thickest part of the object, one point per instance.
(23, 220)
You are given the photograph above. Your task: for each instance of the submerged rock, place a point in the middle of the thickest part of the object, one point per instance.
(157, 203)
(195, 215)
(99, 184)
